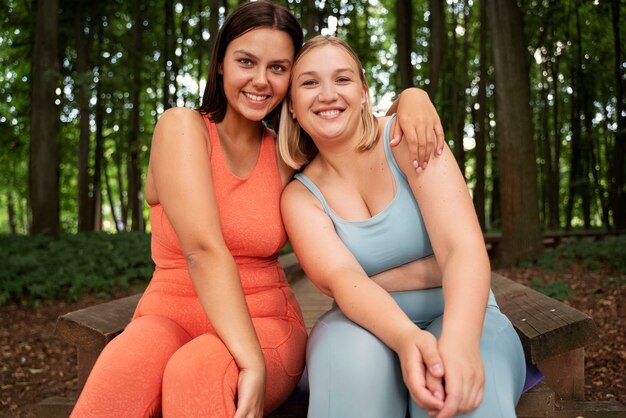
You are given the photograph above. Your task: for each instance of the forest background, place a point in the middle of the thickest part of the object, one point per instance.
(530, 93)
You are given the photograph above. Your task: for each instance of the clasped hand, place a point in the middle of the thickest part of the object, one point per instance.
(445, 378)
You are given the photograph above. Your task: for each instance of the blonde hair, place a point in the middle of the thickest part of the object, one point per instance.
(295, 145)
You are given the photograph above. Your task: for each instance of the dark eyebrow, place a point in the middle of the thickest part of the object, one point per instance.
(251, 55)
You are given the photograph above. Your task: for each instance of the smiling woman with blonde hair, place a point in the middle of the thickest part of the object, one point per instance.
(365, 227)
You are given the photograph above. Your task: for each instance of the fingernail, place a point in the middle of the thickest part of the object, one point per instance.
(436, 368)
(439, 151)
(418, 169)
(438, 395)
(415, 164)
(424, 165)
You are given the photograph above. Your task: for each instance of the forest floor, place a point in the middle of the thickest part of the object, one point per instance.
(35, 364)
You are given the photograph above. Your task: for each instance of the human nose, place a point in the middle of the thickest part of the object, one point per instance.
(260, 78)
(328, 93)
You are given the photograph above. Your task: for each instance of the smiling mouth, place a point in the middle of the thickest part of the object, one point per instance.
(329, 114)
(256, 97)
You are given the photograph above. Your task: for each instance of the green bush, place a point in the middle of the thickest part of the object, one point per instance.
(558, 289)
(592, 254)
(38, 268)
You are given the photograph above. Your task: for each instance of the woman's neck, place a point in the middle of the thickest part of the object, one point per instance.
(235, 128)
(339, 157)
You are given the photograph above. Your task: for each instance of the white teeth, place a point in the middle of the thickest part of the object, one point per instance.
(255, 98)
(329, 113)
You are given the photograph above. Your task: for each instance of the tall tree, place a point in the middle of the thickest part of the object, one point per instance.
(44, 129)
(618, 166)
(311, 18)
(553, 171)
(458, 98)
(99, 135)
(169, 37)
(213, 25)
(83, 88)
(436, 46)
(404, 42)
(133, 171)
(521, 229)
(480, 120)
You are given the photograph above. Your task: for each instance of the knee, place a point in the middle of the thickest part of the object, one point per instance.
(200, 379)
(200, 363)
(342, 355)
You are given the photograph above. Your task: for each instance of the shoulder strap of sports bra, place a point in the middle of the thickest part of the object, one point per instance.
(395, 168)
(316, 192)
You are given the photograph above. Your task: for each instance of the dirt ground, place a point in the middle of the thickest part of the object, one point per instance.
(35, 364)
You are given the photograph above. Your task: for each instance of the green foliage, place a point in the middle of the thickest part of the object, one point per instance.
(592, 254)
(38, 268)
(558, 289)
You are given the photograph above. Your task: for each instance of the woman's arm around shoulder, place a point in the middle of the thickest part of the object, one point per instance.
(459, 246)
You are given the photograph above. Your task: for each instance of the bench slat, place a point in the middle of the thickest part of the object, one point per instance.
(546, 326)
(95, 326)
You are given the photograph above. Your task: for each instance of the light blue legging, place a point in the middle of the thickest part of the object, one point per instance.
(354, 374)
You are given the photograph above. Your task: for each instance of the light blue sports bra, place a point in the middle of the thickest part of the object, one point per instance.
(391, 238)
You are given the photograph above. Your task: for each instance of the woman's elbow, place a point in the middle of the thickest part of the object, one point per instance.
(199, 253)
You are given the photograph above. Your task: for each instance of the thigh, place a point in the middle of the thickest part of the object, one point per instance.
(126, 379)
(201, 377)
(283, 341)
(505, 368)
(351, 372)
(200, 380)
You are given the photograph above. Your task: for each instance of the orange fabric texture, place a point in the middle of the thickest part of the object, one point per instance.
(169, 360)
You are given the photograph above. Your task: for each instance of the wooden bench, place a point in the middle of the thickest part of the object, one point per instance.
(553, 335)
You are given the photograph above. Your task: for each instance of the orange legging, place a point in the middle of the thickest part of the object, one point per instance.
(170, 361)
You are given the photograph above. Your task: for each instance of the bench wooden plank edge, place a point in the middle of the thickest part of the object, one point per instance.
(561, 327)
(94, 326)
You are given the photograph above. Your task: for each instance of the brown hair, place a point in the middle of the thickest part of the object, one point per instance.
(245, 17)
(296, 146)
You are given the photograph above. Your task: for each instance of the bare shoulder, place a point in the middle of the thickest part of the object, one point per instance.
(180, 121)
(294, 193)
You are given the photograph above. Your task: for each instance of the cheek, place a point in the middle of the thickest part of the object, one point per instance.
(280, 86)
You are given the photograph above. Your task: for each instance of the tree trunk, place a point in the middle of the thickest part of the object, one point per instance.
(459, 98)
(117, 155)
(310, 15)
(99, 151)
(618, 168)
(404, 42)
(480, 123)
(213, 25)
(119, 226)
(554, 179)
(11, 213)
(436, 45)
(202, 66)
(575, 149)
(543, 144)
(44, 125)
(168, 52)
(85, 191)
(133, 171)
(521, 228)
(184, 36)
